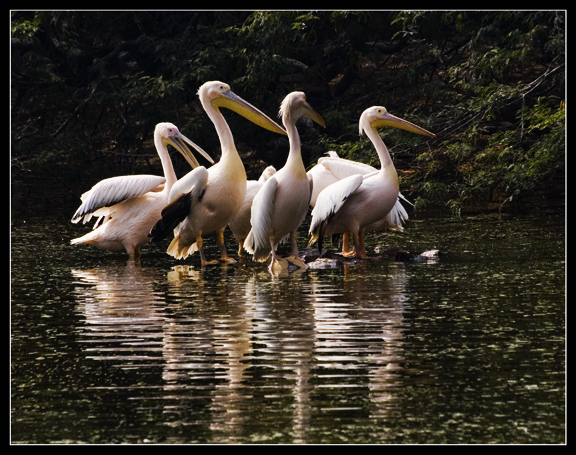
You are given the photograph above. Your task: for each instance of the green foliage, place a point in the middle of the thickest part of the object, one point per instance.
(87, 88)
(505, 139)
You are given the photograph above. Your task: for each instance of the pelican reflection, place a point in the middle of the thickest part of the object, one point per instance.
(235, 348)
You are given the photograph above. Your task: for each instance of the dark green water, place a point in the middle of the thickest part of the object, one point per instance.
(469, 348)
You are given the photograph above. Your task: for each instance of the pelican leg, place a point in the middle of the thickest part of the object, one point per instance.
(295, 258)
(346, 251)
(276, 264)
(133, 253)
(223, 253)
(345, 243)
(203, 260)
(241, 253)
(359, 246)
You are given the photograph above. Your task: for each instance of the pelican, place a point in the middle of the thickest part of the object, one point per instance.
(331, 169)
(205, 200)
(282, 203)
(129, 205)
(360, 202)
(240, 224)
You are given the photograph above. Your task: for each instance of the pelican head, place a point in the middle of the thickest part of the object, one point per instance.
(295, 105)
(220, 95)
(378, 116)
(267, 173)
(170, 135)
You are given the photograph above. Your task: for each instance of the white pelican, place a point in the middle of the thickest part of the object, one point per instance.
(331, 169)
(205, 200)
(130, 205)
(282, 203)
(359, 202)
(240, 224)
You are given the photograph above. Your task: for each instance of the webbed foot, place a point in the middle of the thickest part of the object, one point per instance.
(297, 262)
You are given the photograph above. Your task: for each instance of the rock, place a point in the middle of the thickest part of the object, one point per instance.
(401, 255)
(431, 254)
(397, 254)
(324, 263)
(328, 260)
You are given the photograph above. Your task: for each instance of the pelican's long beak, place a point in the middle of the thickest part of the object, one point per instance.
(311, 113)
(178, 141)
(387, 119)
(233, 102)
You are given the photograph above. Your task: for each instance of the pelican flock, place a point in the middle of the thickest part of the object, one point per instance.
(345, 197)
(128, 206)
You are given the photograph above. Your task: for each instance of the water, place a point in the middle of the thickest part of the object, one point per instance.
(468, 348)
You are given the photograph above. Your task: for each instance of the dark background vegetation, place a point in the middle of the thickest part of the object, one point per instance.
(88, 87)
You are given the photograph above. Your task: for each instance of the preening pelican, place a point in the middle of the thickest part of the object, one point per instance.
(240, 224)
(128, 206)
(331, 169)
(205, 200)
(359, 202)
(282, 203)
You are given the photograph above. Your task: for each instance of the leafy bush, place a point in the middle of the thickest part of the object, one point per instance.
(87, 88)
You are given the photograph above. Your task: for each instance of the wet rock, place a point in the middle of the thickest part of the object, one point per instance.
(397, 254)
(401, 255)
(324, 263)
(314, 260)
(327, 260)
(310, 255)
(431, 254)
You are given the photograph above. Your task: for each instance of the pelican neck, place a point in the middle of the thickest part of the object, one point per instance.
(166, 161)
(380, 147)
(230, 159)
(295, 153)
